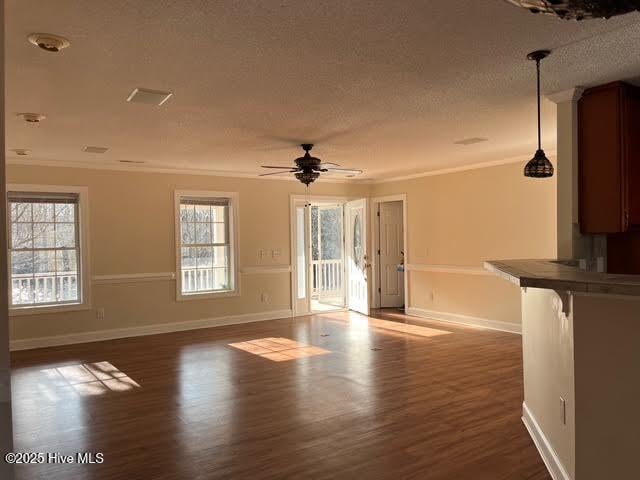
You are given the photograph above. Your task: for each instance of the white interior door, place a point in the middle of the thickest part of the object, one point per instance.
(391, 255)
(356, 256)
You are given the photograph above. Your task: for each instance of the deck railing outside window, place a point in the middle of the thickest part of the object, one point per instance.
(327, 278)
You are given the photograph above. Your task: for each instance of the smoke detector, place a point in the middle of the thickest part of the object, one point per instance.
(48, 41)
(23, 152)
(91, 149)
(32, 117)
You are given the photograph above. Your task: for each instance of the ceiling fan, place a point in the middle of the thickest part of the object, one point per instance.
(307, 169)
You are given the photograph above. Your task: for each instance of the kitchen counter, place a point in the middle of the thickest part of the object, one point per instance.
(563, 276)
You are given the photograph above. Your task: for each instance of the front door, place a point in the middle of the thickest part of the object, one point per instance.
(356, 255)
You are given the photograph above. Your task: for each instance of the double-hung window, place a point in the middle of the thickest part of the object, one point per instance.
(45, 248)
(206, 237)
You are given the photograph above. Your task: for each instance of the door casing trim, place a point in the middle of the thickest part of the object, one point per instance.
(375, 266)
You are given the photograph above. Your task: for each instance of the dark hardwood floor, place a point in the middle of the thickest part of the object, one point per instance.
(377, 399)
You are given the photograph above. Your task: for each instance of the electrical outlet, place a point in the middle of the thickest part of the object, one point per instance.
(100, 313)
(563, 411)
(261, 254)
(275, 253)
(264, 297)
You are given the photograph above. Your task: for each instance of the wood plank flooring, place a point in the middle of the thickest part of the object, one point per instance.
(394, 398)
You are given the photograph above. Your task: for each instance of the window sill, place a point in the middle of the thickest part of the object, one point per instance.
(45, 309)
(182, 297)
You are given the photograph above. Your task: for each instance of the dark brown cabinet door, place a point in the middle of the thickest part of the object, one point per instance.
(608, 164)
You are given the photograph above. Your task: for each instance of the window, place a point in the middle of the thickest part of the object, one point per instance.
(45, 248)
(205, 239)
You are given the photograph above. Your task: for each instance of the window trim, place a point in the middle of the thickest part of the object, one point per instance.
(83, 235)
(234, 242)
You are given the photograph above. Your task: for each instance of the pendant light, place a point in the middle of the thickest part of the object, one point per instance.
(539, 166)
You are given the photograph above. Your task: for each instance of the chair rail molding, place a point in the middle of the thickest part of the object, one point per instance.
(438, 268)
(133, 277)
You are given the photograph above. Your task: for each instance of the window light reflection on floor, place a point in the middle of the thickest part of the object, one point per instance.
(279, 349)
(362, 323)
(90, 379)
(407, 328)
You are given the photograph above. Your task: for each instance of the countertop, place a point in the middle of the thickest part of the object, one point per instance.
(564, 276)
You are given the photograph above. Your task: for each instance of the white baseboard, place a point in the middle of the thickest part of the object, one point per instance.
(101, 335)
(465, 320)
(551, 460)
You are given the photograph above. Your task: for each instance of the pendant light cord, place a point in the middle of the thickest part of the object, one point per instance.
(539, 129)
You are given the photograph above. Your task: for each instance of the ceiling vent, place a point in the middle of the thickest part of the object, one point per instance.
(471, 141)
(90, 149)
(148, 97)
(32, 117)
(48, 42)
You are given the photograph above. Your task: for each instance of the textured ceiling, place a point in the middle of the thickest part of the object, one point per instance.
(387, 87)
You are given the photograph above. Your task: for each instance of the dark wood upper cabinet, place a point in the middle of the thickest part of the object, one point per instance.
(609, 159)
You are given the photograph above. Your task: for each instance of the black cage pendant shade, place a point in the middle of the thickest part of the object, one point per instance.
(539, 166)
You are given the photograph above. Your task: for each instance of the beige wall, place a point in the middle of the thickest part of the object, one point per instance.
(607, 386)
(131, 222)
(548, 352)
(462, 219)
(455, 219)
(583, 348)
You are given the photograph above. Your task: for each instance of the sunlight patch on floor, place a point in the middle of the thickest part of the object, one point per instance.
(279, 349)
(361, 323)
(89, 379)
(407, 328)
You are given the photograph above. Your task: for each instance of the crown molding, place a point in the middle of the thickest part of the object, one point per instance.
(570, 95)
(33, 162)
(462, 168)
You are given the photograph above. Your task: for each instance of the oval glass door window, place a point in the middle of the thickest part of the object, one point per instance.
(358, 250)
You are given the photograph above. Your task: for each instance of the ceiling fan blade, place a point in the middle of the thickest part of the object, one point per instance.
(346, 171)
(276, 173)
(329, 165)
(273, 166)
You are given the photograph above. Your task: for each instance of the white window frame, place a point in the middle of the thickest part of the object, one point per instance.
(234, 242)
(84, 303)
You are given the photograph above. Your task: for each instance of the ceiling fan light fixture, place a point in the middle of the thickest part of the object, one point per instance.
(307, 177)
(579, 9)
(307, 168)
